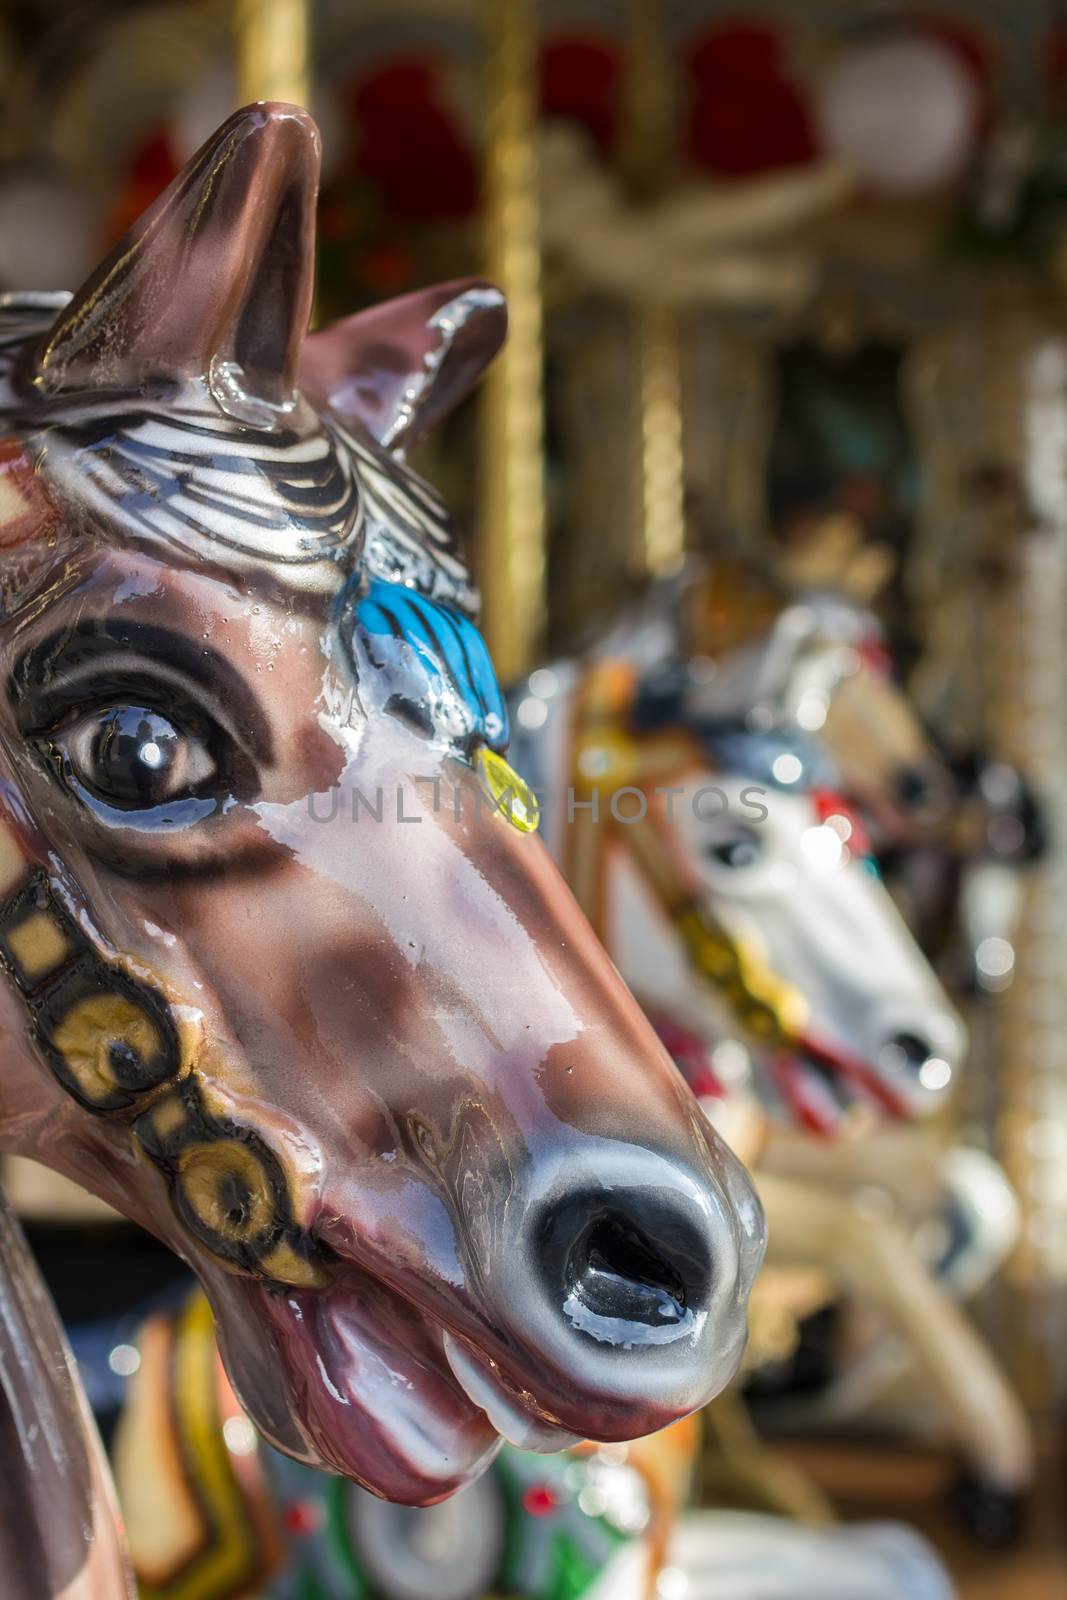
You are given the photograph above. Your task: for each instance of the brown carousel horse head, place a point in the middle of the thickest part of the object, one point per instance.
(276, 981)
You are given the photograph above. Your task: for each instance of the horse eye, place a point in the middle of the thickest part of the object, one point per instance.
(924, 791)
(743, 850)
(134, 758)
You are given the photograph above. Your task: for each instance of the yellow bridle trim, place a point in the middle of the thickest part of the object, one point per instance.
(607, 758)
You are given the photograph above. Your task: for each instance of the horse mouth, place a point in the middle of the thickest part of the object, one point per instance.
(822, 1087)
(607, 1304)
(353, 1379)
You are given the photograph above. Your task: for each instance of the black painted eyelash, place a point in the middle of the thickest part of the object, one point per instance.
(51, 706)
(110, 655)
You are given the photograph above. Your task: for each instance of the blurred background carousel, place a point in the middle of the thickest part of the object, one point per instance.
(774, 467)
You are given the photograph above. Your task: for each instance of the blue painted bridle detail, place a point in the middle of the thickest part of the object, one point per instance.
(435, 666)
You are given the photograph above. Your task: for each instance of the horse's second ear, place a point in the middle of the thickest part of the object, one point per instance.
(214, 281)
(397, 368)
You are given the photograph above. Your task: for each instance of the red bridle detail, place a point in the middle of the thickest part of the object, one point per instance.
(857, 1072)
(794, 1089)
(830, 803)
(875, 655)
(690, 1054)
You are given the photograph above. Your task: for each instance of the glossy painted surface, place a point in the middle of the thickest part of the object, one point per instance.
(280, 982)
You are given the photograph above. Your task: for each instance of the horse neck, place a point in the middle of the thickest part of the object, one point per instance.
(59, 1535)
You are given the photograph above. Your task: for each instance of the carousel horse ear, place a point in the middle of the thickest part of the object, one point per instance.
(397, 368)
(214, 281)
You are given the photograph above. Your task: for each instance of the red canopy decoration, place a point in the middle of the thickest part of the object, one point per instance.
(409, 146)
(153, 165)
(747, 115)
(581, 80)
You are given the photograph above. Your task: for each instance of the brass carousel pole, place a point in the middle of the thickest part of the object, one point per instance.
(272, 50)
(662, 462)
(1028, 367)
(661, 489)
(513, 502)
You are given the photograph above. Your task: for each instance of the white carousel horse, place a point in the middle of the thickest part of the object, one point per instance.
(709, 828)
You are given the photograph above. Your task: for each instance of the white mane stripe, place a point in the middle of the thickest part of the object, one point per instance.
(307, 494)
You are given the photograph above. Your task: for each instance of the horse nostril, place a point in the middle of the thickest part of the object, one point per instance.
(916, 1058)
(618, 1273)
(630, 1269)
(908, 1051)
(915, 1052)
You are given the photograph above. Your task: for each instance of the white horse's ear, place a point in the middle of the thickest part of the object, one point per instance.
(396, 369)
(214, 281)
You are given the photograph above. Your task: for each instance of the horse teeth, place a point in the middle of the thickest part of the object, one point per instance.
(511, 1420)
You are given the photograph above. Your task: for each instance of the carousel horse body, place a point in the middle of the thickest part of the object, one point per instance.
(696, 805)
(277, 983)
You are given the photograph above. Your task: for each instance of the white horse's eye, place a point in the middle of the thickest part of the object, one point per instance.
(742, 849)
(926, 791)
